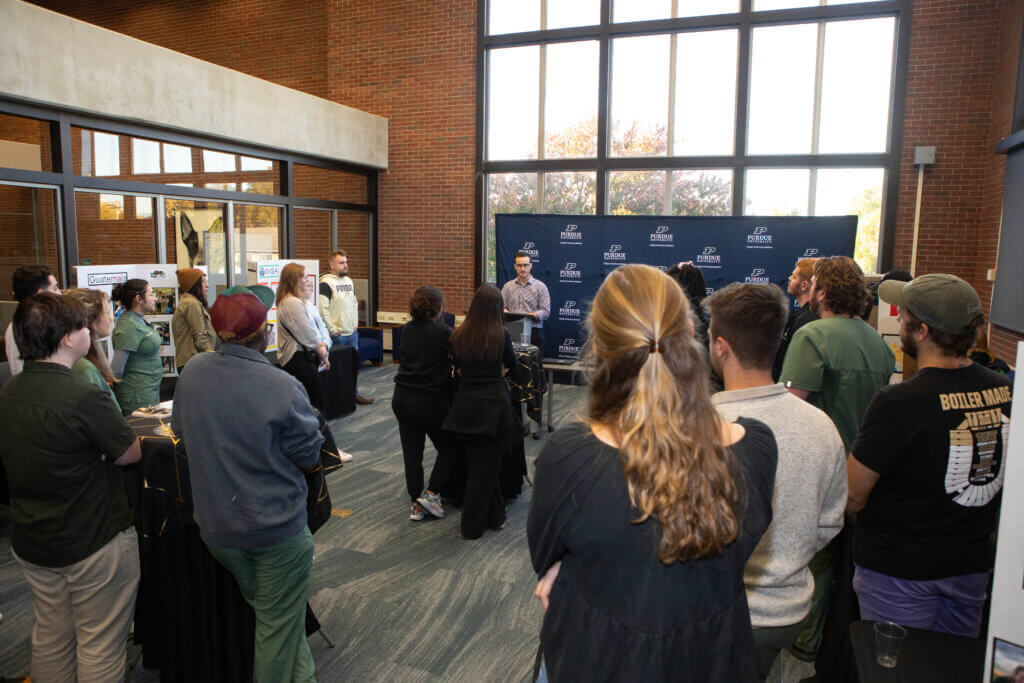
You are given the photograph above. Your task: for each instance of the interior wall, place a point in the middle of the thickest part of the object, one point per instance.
(415, 63)
(960, 86)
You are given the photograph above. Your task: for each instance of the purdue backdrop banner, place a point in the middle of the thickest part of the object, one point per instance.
(573, 254)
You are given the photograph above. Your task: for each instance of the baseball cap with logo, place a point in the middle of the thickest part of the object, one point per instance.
(240, 312)
(262, 292)
(944, 302)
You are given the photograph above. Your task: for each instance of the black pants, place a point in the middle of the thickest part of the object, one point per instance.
(483, 506)
(537, 339)
(420, 414)
(303, 368)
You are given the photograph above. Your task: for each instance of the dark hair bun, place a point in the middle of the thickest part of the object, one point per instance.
(426, 303)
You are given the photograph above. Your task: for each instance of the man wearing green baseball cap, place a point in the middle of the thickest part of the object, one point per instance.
(926, 470)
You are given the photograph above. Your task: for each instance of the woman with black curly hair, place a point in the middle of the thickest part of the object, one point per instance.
(421, 399)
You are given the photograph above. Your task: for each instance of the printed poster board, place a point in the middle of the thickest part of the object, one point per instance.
(164, 281)
(269, 273)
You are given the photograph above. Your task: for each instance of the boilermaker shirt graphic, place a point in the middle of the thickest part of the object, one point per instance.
(938, 443)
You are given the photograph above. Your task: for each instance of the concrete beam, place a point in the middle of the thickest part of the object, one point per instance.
(52, 59)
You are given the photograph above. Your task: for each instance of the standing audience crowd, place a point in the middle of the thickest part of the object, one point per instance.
(738, 465)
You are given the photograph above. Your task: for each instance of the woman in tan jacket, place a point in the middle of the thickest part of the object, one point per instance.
(193, 331)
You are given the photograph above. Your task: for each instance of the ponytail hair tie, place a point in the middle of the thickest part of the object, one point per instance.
(656, 346)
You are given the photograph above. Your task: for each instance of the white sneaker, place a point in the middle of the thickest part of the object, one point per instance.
(416, 513)
(344, 457)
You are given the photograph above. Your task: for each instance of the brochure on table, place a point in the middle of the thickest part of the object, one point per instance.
(1005, 657)
(164, 281)
(269, 273)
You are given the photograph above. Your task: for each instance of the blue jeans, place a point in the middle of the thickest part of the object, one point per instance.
(348, 340)
(951, 605)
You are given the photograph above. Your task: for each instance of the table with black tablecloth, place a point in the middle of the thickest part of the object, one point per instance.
(526, 381)
(926, 657)
(190, 617)
(338, 384)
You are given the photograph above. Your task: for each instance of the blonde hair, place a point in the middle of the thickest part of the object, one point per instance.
(291, 282)
(96, 304)
(650, 387)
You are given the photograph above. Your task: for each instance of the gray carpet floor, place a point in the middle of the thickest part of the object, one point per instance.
(401, 600)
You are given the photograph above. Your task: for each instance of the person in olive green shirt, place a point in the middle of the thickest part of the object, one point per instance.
(94, 367)
(136, 348)
(837, 364)
(63, 442)
(191, 326)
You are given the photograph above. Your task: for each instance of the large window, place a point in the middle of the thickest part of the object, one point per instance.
(83, 190)
(702, 107)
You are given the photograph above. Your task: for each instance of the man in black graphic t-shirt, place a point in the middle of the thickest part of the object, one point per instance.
(926, 469)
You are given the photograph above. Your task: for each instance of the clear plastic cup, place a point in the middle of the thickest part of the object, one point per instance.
(889, 639)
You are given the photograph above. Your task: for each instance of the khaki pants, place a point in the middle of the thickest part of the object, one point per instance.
(83, 613)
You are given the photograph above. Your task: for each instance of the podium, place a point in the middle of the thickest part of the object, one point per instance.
(520, 326)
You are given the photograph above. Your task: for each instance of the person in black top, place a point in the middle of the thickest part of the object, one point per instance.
(644, 515)
(421, 398)
(481, 413)
(691, 279)
(926, 470)
(800, 289)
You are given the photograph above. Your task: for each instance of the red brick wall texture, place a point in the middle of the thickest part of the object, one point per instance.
(415, 63)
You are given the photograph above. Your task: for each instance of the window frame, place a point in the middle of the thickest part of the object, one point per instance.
(745, 20)
(64, 179)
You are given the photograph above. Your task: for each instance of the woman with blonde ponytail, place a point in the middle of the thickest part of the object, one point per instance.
(94, 367)
(645, 512)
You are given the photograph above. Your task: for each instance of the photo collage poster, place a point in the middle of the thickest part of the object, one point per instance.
(164, 281)
(269, 273)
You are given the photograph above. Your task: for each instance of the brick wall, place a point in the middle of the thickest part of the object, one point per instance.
(415, 63)
(283, 42)
(961, 78)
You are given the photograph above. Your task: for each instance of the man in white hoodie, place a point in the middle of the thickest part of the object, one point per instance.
(809, 499)
(339, 307)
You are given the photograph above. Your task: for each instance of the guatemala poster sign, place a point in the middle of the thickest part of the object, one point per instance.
(573, 254)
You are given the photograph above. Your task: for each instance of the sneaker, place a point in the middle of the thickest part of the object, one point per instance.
(432, 504)
(343, 456)
(416, 514)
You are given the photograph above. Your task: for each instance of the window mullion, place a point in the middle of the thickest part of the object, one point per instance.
(819, 69)
(541, 83)
(671, 127)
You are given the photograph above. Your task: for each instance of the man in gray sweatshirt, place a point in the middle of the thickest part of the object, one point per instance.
(250, 431)
(810, 483)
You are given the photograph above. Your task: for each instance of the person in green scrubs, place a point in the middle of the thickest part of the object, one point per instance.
(136, 348)
(94, 367)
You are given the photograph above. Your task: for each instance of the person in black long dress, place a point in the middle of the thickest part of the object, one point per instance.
(481, 414)
(421, 399)
(644, 514)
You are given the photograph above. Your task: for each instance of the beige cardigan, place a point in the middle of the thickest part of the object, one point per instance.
(192, 329)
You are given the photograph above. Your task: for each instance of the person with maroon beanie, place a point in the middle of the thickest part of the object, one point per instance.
(250, 431)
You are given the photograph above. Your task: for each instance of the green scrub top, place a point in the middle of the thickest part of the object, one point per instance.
(85, 370)
(140, 385)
